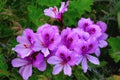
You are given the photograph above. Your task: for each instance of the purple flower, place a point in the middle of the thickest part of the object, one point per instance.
(101, 43)
(102, 25)
(47, 38)
(63, 59)
(82, 35)
(64, 34)
(84, 49)
(26, 64)
(26, 42)
(69, 38)
(84, 23)
(63, 7)
(54, 13)
(94, 31)
(102, 39)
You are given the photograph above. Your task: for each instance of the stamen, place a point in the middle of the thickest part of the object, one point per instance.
(25, 45)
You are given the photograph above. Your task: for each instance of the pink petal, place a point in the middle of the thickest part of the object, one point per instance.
(93, 59)
(104, 36)
(49, 12)
(61, 49)
(26, 71)
(25, 53)
(37, 46)
(97, 52)
(84, 65)
(54, 60)
(39, 59)
(74, 59)
(45, 51)
(80, 58)
(17, 62)
(63, 7)
(42, 66)
(40, 30)
(102, 43)
(102, 25)
(22, 51)
(67, 70)
(57, 40)
(22, 39)
(57, 69)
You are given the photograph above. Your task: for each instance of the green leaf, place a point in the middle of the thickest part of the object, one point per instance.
(115, 44)
(115, 51)
(36, 16)
(115, 56)
(5, 31)
(2, 4)
(118, 17)
(78, 72)
(3, 67)
(75, 10)
(49, 3)
(102, 64)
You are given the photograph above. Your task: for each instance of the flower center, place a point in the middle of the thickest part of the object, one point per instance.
(70, 40)
(47, 36)
(65, 59)
(90, 46)
(25, 45)
(86, 24)
(54, 10)
(68, 58)
(92, 31)
(52, 40)
(62, 55)
(84, 48)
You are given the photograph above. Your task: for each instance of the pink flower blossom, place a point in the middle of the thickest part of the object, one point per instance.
(55, 13)
(47, 38)
(26, 64)
(26, 42)
(83, 23)
(69, 38)
(63, 59)
(102, 39)
(85, 49)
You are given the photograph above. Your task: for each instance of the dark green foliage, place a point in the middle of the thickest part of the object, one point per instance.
(49, 3)
(77, 7)
(3, 66)
(115, 51)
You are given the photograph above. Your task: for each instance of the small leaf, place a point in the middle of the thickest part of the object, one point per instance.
(116, 57)
(115, 44)
(3, 67)
(48, 3)
(36, 16)
(115, 51)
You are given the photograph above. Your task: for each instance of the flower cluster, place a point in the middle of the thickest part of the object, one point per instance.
(63, 49)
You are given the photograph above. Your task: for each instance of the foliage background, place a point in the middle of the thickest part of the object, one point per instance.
(16, 15)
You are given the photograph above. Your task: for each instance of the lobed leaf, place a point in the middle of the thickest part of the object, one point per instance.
(115, 51)
(75, 10)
